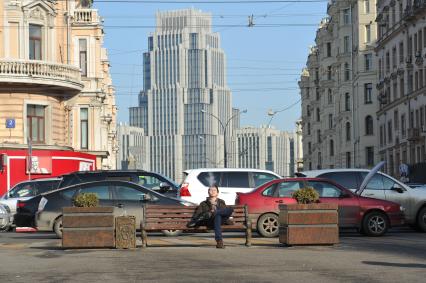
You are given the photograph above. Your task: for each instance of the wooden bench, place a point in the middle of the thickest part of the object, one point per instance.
(172, 217)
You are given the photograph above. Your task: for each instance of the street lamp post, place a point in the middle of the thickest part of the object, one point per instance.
(224, 127)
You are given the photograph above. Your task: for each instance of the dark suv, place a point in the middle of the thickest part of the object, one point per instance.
(150, 180)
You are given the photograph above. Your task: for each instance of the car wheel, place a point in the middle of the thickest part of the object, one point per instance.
(57, 227)
(375, 224)
(171, 233)
(421, 220)
(267, 226)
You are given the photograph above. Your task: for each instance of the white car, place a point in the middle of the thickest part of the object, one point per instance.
(28, 189)
(230, 181)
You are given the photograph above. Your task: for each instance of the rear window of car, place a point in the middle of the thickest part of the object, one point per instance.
(348, 180)
(47, 186)
(262, 178)
(210, 178)
(235, 180)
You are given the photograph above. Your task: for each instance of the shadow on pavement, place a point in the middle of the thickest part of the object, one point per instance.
(394, 264)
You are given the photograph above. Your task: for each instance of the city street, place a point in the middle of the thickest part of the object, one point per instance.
(398, 257)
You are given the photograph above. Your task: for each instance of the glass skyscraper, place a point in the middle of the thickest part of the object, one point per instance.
(184, 73)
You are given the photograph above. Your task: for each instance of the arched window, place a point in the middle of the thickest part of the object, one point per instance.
(331, 147)
(348, 131)
(369, 130)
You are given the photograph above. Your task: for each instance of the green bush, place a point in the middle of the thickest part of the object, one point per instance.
(306, 195)
(86, 200)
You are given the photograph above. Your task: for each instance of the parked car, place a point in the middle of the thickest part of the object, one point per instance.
(6, 218)
(230, 181)
(28, 189)
(150, 180)
(381, 186)
(44, 211)
(372, 217)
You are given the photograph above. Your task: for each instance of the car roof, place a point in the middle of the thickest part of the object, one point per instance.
(199, 170)
(107, 172)
(313, 173)
(39, 180)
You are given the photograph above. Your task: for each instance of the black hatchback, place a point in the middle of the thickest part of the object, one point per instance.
(44, 212)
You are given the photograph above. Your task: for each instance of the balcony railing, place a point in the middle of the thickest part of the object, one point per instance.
(40, 72)
(86, 16)
(413, 134)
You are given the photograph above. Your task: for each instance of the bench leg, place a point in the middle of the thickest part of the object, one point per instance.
(248, 234)
(144, 237)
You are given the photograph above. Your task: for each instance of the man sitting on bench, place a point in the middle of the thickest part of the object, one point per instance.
(212, 212)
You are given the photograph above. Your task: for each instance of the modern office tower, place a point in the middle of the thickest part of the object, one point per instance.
(185, 105)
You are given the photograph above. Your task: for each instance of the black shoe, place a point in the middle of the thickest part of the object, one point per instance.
(192, 223)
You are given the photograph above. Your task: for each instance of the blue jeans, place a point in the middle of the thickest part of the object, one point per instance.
(219, 217)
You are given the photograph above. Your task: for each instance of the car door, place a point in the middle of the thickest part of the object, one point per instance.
(129, 200)
(101, 190)
(397, 193)
(348, 206)
(284, 193)
(233, 182)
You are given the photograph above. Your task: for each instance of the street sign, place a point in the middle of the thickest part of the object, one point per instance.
(10, 123)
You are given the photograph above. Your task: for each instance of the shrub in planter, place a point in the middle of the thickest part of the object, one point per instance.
(309, 221)
(306, 195)
(86, 200)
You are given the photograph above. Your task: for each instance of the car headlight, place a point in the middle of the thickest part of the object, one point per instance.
(401, 208)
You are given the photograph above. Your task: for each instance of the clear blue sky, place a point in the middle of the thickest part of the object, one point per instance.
(264, 63)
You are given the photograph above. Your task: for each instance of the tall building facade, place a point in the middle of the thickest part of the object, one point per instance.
(401, 84)
(267, 148)
(133, 149)
(338, 97)
(55, 86)
(185, 105)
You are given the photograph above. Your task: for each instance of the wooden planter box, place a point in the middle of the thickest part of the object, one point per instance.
(309, 224)
(88, 227)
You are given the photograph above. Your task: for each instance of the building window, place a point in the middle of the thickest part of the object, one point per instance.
(330, 96)
(396, 119)
(368, 61)
(330, 121)
(83, 56)
(309, 147)
(36, 121)
(401, 52)
(319, 160)
(328, 49)
(369, 128)
(84, 128)
(348, 131)
(390, 131)
(369, 155)
(319, 136)
(347, 72)
(346, 16)
(346, 44)
(318, 115)
(403, 125)
(348, 159)
(347, 102)
(329, 73)
(368, 33)
(35, 42)
(331, 147)
(367, 6)
(309, 128)
(368, 89)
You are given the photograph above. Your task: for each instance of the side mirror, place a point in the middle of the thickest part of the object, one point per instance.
(164, 186)
(397, 188)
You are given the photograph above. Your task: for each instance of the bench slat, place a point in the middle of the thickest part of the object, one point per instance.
(186, 215)
(177, 220)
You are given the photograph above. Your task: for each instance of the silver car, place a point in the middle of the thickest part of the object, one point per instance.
(381, 186)
(28, 189)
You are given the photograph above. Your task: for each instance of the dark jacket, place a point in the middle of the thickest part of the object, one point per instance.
(203, 214)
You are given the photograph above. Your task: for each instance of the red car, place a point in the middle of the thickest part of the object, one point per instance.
(371, 216)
